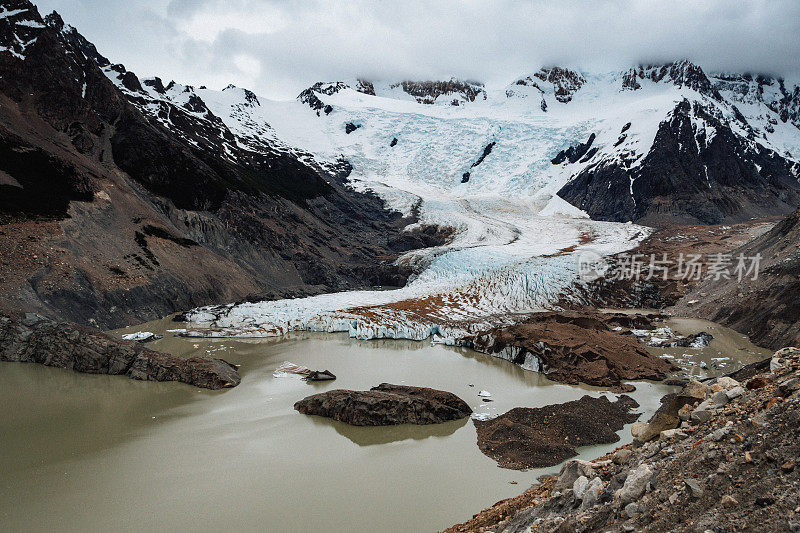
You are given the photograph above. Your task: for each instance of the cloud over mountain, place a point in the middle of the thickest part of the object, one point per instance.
(279, 48)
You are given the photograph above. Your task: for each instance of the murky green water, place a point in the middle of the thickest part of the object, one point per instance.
(105, 453)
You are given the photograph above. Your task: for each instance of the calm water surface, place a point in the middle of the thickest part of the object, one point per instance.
(105, 453)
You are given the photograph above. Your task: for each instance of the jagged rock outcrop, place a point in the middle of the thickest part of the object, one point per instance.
(386, 405)
(565, 82)
(427, 92)
(366, 87)
(681, 73)
(576, 153)
(35, 339)
(556, 82)
(526, 438)
(309, 96)
(486, 151)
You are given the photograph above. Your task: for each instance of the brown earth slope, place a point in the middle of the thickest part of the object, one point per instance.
(535, 437)
(577, 347)
(766, 309)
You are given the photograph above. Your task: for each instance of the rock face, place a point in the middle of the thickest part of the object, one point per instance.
(386, 405)
(35, 339)
(577, 347)
(689, 176)
(427, 92)
(682, 73)
(535, 437)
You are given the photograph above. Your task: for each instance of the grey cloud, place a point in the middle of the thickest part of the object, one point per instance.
(297, 43)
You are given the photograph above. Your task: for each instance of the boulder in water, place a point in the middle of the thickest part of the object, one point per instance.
(386, 405)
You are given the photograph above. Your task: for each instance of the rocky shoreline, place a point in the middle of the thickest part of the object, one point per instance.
(729, 466)
(35, 339)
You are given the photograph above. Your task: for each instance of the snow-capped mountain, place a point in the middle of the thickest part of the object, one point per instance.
(282, 189)
(652, 144)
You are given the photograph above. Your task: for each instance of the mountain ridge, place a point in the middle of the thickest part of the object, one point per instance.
(89, 172)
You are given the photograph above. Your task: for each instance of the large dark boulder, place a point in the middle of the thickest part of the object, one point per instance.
(545, 436)
(386, 405)
(35, 339)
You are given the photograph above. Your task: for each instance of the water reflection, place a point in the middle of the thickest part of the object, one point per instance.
(367, 436)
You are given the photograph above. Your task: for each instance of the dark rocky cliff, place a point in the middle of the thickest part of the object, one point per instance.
(84, 173)
(687, 177)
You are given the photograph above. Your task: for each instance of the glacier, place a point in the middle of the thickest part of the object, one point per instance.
(516, 244)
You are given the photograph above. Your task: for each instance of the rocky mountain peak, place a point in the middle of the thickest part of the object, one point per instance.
(54, 20)
(309, 96)
(250, 99)
(427, 92)
(682, 73)
(562, 83)
(156, 84)
(565, 82)
(364, 86)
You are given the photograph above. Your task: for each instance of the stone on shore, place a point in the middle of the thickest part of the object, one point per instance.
(635, 484)
(571, 471)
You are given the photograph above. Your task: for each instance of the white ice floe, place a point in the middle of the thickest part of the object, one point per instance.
(289, 369)
(140, 336)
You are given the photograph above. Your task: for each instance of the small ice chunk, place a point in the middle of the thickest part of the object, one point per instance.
(140, 336)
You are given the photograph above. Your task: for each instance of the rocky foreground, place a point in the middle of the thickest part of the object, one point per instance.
(386, 405)
(35, 339)
(731, 465)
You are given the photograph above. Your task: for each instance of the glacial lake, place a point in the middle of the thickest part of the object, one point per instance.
(105, 453)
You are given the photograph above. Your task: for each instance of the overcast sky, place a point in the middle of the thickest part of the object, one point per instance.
(279, 47)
